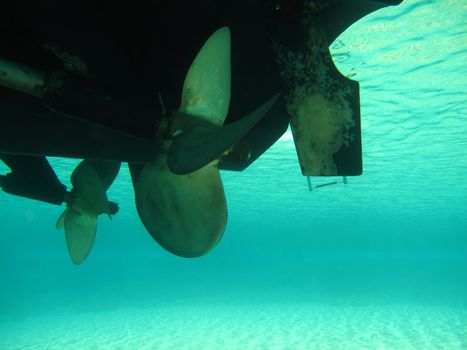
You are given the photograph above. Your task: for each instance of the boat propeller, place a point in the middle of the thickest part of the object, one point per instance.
(179, 195)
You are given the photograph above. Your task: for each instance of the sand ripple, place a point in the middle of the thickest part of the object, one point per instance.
(297, 326)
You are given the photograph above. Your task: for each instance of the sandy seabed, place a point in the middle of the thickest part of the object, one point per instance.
(268, 326)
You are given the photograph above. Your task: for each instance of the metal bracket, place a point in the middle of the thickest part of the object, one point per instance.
(315, 187)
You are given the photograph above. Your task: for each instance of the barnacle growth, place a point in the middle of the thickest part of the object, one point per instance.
(317, 102)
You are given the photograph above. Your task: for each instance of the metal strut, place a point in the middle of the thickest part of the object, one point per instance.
(315, 187)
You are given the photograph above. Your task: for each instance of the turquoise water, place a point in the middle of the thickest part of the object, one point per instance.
(379, 263)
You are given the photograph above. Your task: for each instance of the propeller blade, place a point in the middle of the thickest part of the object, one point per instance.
(106, 169)
(200, 144)
(206, 89)
(80, 232)
(185, 214)
(89, 187)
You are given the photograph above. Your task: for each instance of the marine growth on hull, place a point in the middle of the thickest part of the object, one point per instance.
(317, 100)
